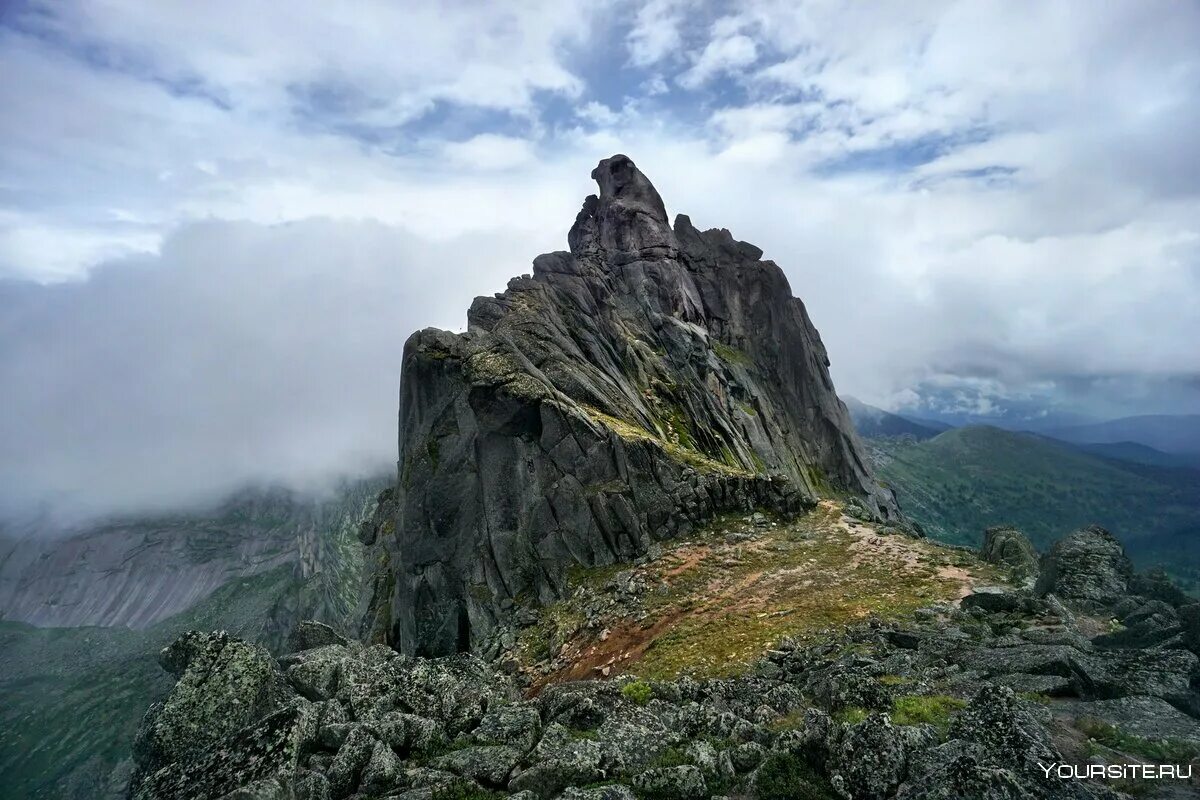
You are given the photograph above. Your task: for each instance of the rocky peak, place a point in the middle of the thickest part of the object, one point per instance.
(628, 220)
(627, 391)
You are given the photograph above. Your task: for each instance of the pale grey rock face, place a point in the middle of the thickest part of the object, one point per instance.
(136, 572)
(625, 392)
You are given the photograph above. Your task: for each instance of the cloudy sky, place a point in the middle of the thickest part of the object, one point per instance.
(220, 221)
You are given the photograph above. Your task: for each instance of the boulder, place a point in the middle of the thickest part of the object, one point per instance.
(612, 791)
(316, 673)
(1156, 584)
(310, 634)
(1089, 568)
(352, 757)
(870, 758)
(1005, 603)
(224, 684)
(516, 725)
(1156, 673)
(454, 692)
(383, 771)
(1150, 623)
(993, 750)
(260, 759)
(1009, 548)
(673, 783)
(560, 760)
(1148, 717)
(489, 765)
(408, 734)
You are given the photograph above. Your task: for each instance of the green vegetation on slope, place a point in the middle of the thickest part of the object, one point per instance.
(710, 605)
(966, 479)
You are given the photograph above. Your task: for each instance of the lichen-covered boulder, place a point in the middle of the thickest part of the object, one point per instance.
(684, 782)
(1089, 568)
(224, 684)
(513, 724)
(488, 764)
(408, 734)
(1010, 548)
(870, 758)
(256, 759)
(455, 692)
(612, 791)
(316, 673)
(352, 758)
(993, 749)
(310, 634)
(560, 759)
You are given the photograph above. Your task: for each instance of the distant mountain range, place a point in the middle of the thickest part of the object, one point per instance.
(872, 422)
(1162, 440)
(1139, 454)
(966, 479)
(1177, 434)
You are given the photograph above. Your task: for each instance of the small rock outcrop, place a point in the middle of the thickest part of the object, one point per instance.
(1010, 548)
(631, 388)
(1088, 567)
(224, 685)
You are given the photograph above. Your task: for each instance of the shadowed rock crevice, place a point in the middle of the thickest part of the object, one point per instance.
(623, 393)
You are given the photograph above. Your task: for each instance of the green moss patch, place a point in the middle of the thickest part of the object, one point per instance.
(1165, 751)
(638, 692)
(784, 776)
(933, 709)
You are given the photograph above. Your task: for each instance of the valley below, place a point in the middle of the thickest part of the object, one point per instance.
(964, 480)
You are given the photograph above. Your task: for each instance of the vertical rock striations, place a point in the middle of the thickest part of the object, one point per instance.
(629, 389)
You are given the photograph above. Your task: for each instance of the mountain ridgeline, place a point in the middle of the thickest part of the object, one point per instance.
(631, 388)
(964, 480)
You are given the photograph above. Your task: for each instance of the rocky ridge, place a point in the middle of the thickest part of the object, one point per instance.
(962, 699)
(623, 394)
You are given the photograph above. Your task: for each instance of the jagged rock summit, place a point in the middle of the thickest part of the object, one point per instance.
(628, 390)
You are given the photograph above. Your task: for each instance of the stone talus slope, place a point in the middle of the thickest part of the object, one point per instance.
(625, 392)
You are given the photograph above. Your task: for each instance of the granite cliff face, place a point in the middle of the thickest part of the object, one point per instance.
(627, 391)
